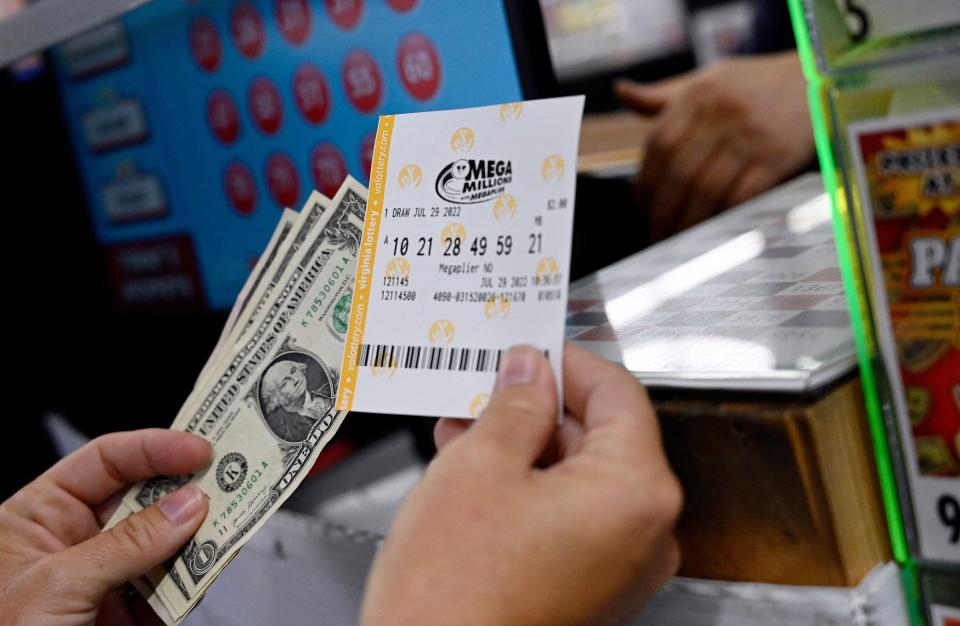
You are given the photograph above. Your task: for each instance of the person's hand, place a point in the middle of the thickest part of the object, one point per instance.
(722, 135)
(519, 521)
(57, 568)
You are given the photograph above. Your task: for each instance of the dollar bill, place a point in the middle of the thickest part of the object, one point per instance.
(240, 309)
(270, 415)
(309, 219)
(264, 317)
(310, 215)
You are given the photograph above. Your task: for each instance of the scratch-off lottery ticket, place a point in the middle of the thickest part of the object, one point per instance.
(909, 169)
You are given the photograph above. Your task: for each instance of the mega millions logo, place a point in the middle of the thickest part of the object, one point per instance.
(470, 181)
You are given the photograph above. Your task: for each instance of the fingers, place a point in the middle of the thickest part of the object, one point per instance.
(648, 99)
(667, 140)
(755, 180)
(134, 546)
(606, 398)
(710, 192)
(522, 413)
(582, 372)
(567, 441)
(109, 463)
(447, 429)
(683, 166)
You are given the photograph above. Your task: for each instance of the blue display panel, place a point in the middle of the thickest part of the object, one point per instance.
(196, 122)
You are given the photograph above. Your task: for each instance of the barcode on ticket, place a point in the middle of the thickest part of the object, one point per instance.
(451, 359)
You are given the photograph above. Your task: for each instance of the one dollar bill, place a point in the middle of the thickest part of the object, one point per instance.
(267, 406)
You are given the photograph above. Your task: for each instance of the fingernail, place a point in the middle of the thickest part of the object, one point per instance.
(182, 505)
(519, 367)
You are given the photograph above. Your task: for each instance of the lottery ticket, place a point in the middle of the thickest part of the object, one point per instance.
(465, 252)
(907, 169)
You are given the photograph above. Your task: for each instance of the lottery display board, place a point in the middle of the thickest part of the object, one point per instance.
(884, 96)
(196, 123)
(907, 168)
(750, 300)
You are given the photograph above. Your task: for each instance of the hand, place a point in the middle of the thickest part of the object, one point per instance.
(517, 521)
(57, 568)
(723, 135)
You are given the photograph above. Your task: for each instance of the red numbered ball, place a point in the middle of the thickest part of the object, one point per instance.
(311, 93)
(402, 5)
(247, 30)
(366, 153)
(419, 66)
(240, 187)
(294, 19)
(283, 180)
(266, 107)
(223, 117)
(362, 81)
(328, 168)
(345, 13)
(205, 44)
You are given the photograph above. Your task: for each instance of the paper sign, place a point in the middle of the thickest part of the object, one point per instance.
(465, 252)
(907, 168)
(942, 615)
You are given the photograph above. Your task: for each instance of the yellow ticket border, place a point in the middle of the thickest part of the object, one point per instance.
(365, 258)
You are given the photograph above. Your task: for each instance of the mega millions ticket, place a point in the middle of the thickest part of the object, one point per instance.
(465, 252)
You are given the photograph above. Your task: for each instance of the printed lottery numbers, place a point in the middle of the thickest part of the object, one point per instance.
(401, 245)
(536, 243)
(455, 246)
(948, 510)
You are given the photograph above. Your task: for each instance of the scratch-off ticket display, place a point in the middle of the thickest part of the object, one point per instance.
(908, 169)
(465, 252)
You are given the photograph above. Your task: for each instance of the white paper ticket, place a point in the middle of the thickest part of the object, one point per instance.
(465, 252)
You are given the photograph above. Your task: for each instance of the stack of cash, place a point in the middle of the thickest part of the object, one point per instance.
(265, 398)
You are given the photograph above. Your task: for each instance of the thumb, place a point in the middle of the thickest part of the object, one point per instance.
(137, 544)
(522, 413)
(648, 99)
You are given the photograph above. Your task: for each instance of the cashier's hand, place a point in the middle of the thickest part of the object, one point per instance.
(57, 568)
(517, 521)
(721, 136)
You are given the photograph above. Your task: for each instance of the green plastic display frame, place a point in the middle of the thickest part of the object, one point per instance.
(832, 64)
